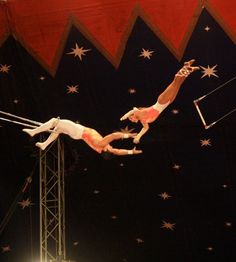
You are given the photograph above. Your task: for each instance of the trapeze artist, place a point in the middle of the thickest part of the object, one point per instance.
(149, 114)
(76, 131)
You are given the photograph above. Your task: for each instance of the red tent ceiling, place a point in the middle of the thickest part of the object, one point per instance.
(42, 26)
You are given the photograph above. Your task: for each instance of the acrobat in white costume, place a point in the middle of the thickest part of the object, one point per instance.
(76, 131)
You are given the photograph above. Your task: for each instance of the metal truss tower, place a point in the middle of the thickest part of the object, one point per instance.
(52, 204)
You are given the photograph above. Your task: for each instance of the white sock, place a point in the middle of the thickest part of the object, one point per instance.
(41, 145)
(28, 131)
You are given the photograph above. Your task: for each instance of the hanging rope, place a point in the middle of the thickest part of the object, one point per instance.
(20, 118)
(14, 204)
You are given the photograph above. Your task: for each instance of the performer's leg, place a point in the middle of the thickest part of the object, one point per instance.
(44, 127)
(51, 138)
(172, 90)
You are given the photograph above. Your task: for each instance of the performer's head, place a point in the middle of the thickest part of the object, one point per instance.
(133, 118)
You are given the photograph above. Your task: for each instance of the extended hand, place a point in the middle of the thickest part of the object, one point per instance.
(136, 151)
(136, 140)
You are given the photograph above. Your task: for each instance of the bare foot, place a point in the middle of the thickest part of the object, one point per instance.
(136, 151)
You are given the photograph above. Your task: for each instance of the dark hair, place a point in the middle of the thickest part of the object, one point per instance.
(107, 155)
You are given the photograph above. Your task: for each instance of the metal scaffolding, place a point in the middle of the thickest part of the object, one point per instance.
(52, 204)
(51, 194)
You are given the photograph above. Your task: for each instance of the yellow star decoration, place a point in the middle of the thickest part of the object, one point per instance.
(207, 28)
(132, 90)
(6, 249)
(168, 225)
(210, 248)
(42, 78)
(126, 130)
(5, 68)
(72, 89)
(78, 51)
(146, 53)
(175, 111)
(176, 166)
(228, 224)
(164, 196)
(205, 142)
(139, 240)
(209, 71)
(25, 203)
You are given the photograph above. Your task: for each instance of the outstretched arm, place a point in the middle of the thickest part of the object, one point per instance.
(128, 114)
(114, 136)
(141, 133)
(123, 152)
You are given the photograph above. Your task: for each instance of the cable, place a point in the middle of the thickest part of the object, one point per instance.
(202, 97)
(12, 208)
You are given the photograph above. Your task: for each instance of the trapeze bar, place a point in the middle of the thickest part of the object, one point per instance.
(21, 118)
(196, 101)
(200, 113)
(16, 122)
(213, 123)
(36, 124)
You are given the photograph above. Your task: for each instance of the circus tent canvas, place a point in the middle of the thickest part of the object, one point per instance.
(90, 62)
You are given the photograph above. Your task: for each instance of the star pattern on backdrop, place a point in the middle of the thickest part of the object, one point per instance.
(25, 203)
(72, 89)
(164, 196)
(205, 142)
(207, 28)
(176, 166)
(78, 51)
(6, 249)
(228, 224)
(209, 71)
(126, 130)
(4, 68)
(175, 111)
(41, 78)
(139, 240)
(146, 53)
(168, 225)
(132, 90)
(210, 248)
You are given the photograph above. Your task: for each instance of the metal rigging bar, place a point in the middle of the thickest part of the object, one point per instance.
(52, 204)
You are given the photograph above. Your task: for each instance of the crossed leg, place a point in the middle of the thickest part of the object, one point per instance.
(44, 127)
